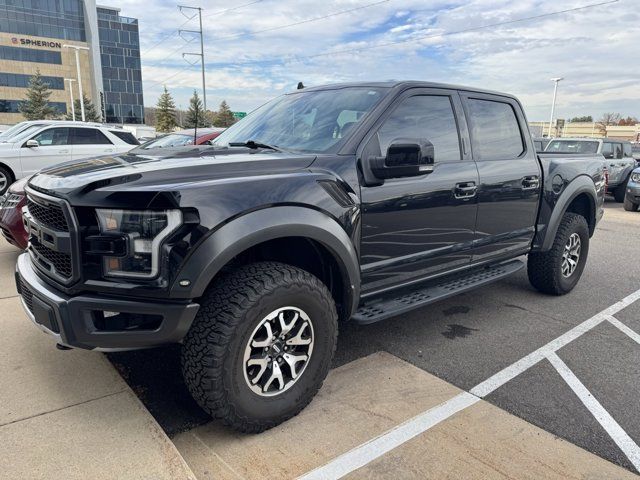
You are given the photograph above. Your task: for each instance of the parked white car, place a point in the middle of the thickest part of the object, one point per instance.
(40, 146)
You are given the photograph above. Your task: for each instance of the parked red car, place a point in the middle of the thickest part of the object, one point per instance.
(11, 204)
(182, 138)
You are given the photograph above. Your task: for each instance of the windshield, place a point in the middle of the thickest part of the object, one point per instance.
(572, 146)
(312, 121)
(27, 132)
(167, 141)
(17, 129)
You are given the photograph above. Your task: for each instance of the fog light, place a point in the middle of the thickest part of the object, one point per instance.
(106, 314)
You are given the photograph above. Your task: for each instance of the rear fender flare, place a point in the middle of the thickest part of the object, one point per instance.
(580, 185)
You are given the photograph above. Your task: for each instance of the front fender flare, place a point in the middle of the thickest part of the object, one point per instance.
(548, 228)
(256, 227)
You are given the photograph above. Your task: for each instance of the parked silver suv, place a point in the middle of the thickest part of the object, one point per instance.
(617, 153)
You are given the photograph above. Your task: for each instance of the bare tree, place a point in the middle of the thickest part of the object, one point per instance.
(609, 118)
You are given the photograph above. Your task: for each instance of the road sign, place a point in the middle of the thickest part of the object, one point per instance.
(239, 115)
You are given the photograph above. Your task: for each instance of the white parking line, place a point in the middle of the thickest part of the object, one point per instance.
(624, 329)
(613, 428)
(369, 451)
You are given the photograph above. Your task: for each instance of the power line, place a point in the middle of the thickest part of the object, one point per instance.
(308, 20)
(220, 12)
(298, 58)
(167, 36)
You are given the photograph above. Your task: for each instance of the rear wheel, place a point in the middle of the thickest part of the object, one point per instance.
(629, 206)
(260, 346)
(558, 270)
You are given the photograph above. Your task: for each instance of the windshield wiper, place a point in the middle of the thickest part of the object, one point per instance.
(254, 145)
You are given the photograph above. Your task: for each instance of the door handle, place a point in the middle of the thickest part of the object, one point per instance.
(530, 182)
(465, 190)
(63, 151)
(109, 150)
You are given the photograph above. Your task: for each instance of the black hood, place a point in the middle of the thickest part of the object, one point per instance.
(162, 171)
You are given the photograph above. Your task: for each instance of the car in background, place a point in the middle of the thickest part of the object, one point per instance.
(42, 146)
(635, 152)
(632, 196)
(11, 223)
(541, 143)
(182, 138)
(617, 153)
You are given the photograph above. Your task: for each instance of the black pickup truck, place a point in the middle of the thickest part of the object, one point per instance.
(347, 202)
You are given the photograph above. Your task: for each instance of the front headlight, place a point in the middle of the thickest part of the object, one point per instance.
(144, 231)
(635, 177)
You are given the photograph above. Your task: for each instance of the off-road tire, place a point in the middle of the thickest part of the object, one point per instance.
(620, 191)
(213, 349)
(545, 268)
(629, 206)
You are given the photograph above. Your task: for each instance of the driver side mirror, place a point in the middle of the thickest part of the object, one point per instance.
(406, 157)
(31, 143)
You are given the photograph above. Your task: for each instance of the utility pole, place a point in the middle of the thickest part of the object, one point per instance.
(553, 103)
(73, 107)
(77, 49)
(201, 54)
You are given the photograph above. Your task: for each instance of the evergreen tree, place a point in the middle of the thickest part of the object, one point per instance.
(36, 106)
(90, 112)
(224, 116)
(166, 113)
(195, 115)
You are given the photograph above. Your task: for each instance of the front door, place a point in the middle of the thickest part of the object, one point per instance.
(510, 176)
(416, 227)
(53, 148)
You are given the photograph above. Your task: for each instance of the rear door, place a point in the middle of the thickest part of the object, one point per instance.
(510, 176)
(53, 148)
(90, 142)
(416, 227)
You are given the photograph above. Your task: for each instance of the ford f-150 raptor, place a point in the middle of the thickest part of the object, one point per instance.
(346, 202)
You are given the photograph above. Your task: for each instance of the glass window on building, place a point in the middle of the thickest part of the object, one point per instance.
(63, 19)
(121, 72)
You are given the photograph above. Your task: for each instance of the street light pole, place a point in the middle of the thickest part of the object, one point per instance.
(73, 107)
(553, 104)
(77, 49)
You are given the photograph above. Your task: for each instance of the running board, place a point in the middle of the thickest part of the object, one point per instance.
(409, 299)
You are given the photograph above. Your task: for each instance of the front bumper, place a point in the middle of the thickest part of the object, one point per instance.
(80, 321)
(633, 192)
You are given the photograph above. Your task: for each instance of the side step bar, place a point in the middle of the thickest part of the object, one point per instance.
(387, 306)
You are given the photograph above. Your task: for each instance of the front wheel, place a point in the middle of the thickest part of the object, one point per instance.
(558, 270)
(629, 206)
(260, 346)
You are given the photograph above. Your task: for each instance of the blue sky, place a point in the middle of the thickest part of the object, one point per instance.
(595, 49)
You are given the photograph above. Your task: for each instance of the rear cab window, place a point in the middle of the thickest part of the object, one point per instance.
(495, 129)
(572, 146)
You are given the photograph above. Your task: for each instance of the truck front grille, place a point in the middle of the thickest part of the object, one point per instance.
(50, 216)
(53, 243)
(61, 262)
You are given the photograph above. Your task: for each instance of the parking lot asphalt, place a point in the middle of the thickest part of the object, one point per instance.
(466, 339)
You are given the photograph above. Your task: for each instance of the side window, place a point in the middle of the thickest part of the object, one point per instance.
(89, 136)
(626, 150)
(618, 150)
(427, 117)
(53, 136)
(607, 150)
(495, 131)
